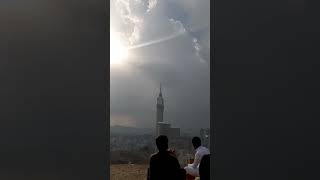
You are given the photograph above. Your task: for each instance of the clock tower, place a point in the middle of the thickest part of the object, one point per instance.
(160, 109)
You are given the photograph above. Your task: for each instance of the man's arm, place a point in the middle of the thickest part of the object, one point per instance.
(196, 161)
(152, 172)
(177, 174)
(177, 164)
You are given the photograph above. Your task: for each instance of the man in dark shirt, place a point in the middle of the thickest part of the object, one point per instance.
(164, 165)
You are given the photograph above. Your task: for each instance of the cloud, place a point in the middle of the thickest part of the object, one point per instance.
(170, 47)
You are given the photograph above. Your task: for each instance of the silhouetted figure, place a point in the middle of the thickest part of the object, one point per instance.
(204, 167)
(164, 165)
(193, 169)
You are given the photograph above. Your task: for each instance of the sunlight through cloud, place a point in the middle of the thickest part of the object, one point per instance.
(118, 51)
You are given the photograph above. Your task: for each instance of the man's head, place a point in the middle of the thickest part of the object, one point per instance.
(162, 143)
(196, 142)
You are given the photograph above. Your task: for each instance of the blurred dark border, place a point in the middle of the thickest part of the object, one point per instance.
(265, 89)
(212, 90)
(54, 108)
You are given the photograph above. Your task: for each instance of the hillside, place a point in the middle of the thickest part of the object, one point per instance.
(123, 130)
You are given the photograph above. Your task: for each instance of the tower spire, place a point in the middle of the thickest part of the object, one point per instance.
(160, 94)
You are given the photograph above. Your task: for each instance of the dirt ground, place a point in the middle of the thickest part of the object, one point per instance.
(128, 172)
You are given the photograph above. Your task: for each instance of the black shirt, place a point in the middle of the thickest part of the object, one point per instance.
(164, 166)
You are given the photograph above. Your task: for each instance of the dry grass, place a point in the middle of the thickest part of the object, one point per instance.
(128, 172)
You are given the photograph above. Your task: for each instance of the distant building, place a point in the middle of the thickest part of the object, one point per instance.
(166, 129)
(160, 110)
(174, 132)
(163, 128)
(205, 137)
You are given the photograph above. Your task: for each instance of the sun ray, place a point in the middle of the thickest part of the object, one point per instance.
(167, 38)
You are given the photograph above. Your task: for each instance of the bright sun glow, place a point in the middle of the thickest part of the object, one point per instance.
(118, 51)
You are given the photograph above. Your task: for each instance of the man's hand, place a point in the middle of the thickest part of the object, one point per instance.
(172, 152)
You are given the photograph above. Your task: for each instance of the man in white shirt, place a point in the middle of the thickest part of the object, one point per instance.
(193, 169)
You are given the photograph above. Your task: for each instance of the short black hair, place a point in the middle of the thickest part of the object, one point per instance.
(196, 141)
(162, 143)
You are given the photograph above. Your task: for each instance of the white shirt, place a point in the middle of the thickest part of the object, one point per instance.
(200, 151)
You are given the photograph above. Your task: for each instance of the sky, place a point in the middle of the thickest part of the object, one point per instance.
(167, 42)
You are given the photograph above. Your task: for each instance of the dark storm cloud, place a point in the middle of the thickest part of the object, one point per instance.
(52, 89)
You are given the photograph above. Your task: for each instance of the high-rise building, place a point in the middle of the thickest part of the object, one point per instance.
(160, 110)
(160, 107)
(163, 128)
(205, 137)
